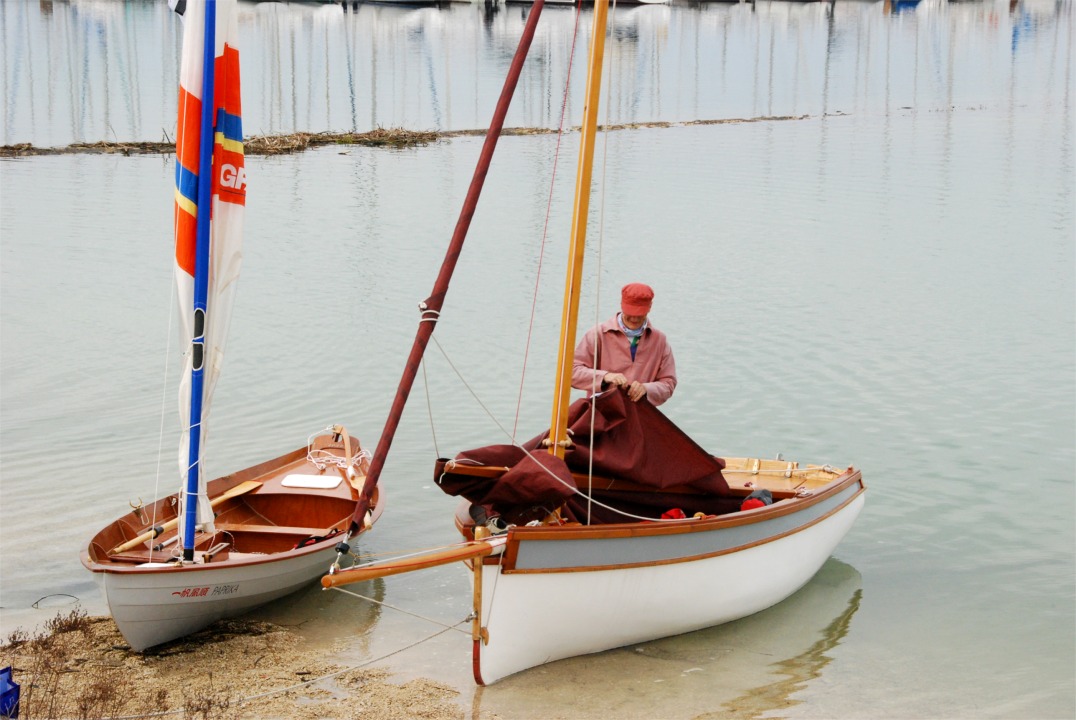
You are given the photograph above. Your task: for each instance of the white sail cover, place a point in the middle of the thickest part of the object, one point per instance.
(228, 177)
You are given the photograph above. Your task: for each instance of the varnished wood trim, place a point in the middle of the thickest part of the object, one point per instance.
(688, 525)
(584, 481)
(275, 529)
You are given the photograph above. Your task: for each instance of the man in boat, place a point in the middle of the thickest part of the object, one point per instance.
(627, 351)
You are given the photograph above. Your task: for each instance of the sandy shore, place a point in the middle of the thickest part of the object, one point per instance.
(80, 666)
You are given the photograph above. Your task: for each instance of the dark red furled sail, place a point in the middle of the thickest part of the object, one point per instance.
(614, 438)
(431, 307)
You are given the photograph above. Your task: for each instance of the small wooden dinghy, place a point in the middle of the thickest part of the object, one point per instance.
(277, 526)
(214, 550)
(552, 591)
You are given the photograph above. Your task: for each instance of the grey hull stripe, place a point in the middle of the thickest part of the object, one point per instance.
(569, 554)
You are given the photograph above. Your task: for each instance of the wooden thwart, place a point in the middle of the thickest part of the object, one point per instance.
(582, 480)
(273, 529)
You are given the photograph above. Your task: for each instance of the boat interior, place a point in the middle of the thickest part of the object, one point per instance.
(745, 476)
(284, 504)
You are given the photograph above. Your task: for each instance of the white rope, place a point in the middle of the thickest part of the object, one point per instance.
(493, 591)
(164, 401)
(473, 393)
(431, 316)
(415, 553)
(322, 458)
(407, 612)
(579, 492)
(429, 406)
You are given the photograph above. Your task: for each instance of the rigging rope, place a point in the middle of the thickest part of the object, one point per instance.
(321, 458)
(598, 274)
(429, 407)
(408, 612)
(164, 397)
(545, 225)
(471, 390)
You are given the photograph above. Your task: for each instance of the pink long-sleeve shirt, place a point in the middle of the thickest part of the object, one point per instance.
(653, 365)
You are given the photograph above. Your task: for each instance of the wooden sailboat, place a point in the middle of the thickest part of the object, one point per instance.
(591, 551)
(216, 549)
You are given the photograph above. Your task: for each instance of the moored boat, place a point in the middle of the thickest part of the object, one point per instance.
(216, 549)
(613, 527)
(276, 529)
(558, 590)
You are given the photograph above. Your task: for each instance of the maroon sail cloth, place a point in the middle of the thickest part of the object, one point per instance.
(533, 487)
(635, 441)
(632, 441)
(536, 478)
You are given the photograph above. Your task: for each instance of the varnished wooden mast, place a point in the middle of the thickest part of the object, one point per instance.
(558, 426)
(431, 307)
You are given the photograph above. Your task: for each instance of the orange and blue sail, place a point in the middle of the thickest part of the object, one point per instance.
(210, 199)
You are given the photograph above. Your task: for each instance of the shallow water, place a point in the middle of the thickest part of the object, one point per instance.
(886, 280)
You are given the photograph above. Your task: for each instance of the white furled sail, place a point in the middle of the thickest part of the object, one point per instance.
(210, 200)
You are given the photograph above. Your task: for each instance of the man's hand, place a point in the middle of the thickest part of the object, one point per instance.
(615, 379)
(636, 391)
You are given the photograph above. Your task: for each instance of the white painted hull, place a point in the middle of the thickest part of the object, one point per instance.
(153, 608)
(538, 617)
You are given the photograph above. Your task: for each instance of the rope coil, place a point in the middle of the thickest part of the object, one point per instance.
(321, 458)
(428, 315)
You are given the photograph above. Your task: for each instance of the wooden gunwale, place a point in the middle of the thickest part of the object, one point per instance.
(604, 483)
(270, 472)
(519, 535)
(687, 525)
(121, 567)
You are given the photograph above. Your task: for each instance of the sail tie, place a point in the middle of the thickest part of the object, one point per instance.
(428, 314)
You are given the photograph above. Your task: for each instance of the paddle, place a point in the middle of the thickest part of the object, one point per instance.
(240, 489)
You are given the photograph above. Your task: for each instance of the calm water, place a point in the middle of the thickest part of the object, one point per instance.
(888, 280)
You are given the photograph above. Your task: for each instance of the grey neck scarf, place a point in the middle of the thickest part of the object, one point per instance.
(629, 332)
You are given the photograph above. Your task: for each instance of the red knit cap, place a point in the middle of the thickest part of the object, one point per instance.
(636, 298)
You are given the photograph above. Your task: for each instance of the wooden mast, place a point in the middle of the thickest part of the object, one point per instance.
(431, 307)
(558, 426)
